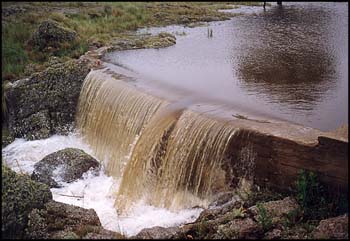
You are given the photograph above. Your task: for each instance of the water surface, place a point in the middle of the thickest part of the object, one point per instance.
(288, 62)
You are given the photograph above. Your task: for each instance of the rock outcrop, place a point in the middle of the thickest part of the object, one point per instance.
(66, 165)
(63, 221)
(230, 220)
(20, 195)
(45, 103)
(51, 34)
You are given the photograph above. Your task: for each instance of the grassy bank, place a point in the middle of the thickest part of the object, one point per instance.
(94, 23)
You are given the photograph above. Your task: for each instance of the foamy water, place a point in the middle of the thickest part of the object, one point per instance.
(92, 191)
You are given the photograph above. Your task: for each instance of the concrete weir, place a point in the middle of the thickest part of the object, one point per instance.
(174, 155)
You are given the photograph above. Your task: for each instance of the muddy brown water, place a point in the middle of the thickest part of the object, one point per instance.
(288, 62)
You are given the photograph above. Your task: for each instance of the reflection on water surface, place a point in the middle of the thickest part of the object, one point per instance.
(289, 62)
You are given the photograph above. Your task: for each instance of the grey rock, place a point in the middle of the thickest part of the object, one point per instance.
(66, 165)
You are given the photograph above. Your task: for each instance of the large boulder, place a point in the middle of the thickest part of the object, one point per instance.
(65, 165)
(45, 104)
(63, 221)
(51, 34)
(20, 195)
(333, 228)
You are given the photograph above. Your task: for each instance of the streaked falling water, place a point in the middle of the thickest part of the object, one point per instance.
(176, 164)
(176, 161)
(110, 116)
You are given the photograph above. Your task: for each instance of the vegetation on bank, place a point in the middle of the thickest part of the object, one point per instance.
(315, 201)
(96, 23)
(307, 212)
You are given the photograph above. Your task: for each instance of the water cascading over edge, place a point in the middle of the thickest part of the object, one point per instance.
(110, 116)
(176, 162)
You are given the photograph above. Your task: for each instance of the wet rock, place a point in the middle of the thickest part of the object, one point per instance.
(61, 221)
(158, 233)
(20, 195)
(277, 210)
(221, 199)
(333, 228)
(45, 104)
(38, 124)
(227, 210)
(65, 165)
(51, 34)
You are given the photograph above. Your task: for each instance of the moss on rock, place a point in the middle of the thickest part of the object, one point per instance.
(20, 195)
(45, 103)
(51, 34)
(63, 221)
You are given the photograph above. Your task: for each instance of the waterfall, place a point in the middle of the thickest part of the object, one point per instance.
(110, 116)
(176, 162)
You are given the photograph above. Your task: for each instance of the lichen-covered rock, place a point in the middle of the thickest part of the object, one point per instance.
(161, 40)
(61, 221)
(45, 104)
(65, 165)
(51, 34)
(158, 233)
(333, 228)
(238, 229)
(277, 210)
(20, 195)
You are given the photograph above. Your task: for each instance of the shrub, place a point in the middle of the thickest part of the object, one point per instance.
(264, 218)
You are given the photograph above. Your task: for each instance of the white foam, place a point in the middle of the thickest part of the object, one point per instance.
(21, 155)
(92, 191)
